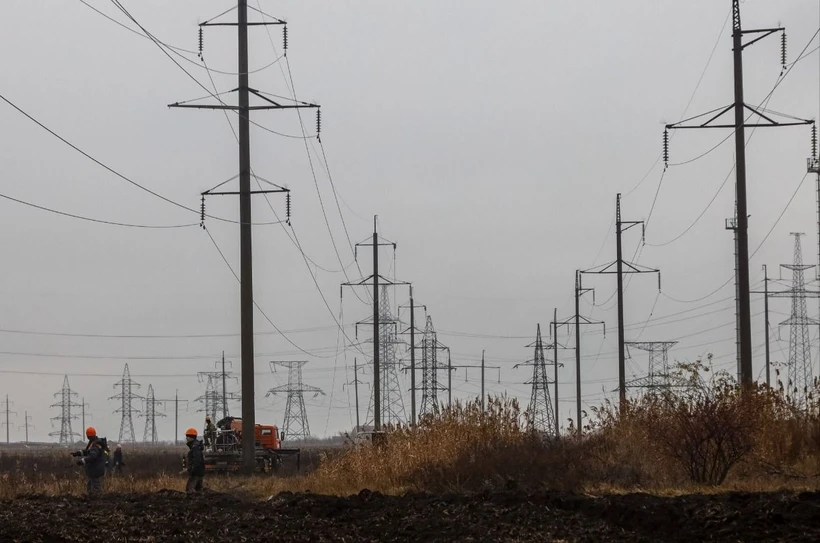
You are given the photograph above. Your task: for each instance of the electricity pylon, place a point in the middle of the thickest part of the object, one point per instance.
(758, 117)
(216, 390)
(392, 400)
(800, 373)
(126, 397)
(430, 346)
(296, 424)
(657, 377)
(540, 414)
(66, 402)
(151, 414)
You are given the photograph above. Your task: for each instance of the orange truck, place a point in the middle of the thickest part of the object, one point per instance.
(223, 450)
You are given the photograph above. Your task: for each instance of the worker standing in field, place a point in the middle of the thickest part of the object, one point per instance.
(210, 432)
(93, 458)
(118, 462)
(196, 462)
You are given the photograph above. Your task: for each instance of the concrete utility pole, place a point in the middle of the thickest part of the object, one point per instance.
(622, 267)
(764, 118)
(84, 405)
(376, 281)
(483, 367)
(243, 110)
(176, 399)
(766, 296)
(356, 390)
(412, 330)
(7, 413)
(26, 424)
(579, 320)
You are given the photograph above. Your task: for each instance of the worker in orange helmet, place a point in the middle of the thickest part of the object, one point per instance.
(93, 458)
(196, 462)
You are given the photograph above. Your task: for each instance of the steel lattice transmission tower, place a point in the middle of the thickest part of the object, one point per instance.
(210, 400)
(541, 416)
(429, 370)
(296, 420)
(657, 375)
(151, 414)
(800, 374)
(127, 397)
(66, 398)
(392, 400)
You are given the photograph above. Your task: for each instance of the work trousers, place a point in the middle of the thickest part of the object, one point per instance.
(194, 484)
(94, 486)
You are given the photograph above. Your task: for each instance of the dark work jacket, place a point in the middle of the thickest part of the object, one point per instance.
(118, 458)
(196, 458)
(94, 458)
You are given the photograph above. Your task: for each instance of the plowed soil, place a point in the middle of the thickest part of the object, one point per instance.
(498, 516)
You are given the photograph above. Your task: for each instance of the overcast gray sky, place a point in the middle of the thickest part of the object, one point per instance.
(490, 139)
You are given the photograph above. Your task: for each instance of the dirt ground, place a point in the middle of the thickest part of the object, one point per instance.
(499, 516)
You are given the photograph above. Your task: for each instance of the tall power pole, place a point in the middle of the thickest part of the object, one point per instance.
(412, 330)
(151, 414)
(356, 382)
(245, 241)
(622, 267)
(766, 295)
(483, 367)
(83, 405)
(813, 166)
(66, 402)
(764, 118)
(376, 280)
(578, 320)
(7, 412)
(26, 425)
(127, 398)
(296, 424)
(539, 412)
(176, 399)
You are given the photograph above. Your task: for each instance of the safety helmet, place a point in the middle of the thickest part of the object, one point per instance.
(90, 432)
(190, 432)
(208, 417)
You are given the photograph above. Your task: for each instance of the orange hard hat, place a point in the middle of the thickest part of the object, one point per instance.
(190, 432)
(90, 432)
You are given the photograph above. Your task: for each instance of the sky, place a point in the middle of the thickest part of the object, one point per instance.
(489, 138)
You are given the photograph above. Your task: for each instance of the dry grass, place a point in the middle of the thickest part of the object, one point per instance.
(707, 438)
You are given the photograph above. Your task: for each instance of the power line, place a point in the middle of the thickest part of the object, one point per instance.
(109, 168)
(91, 219)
